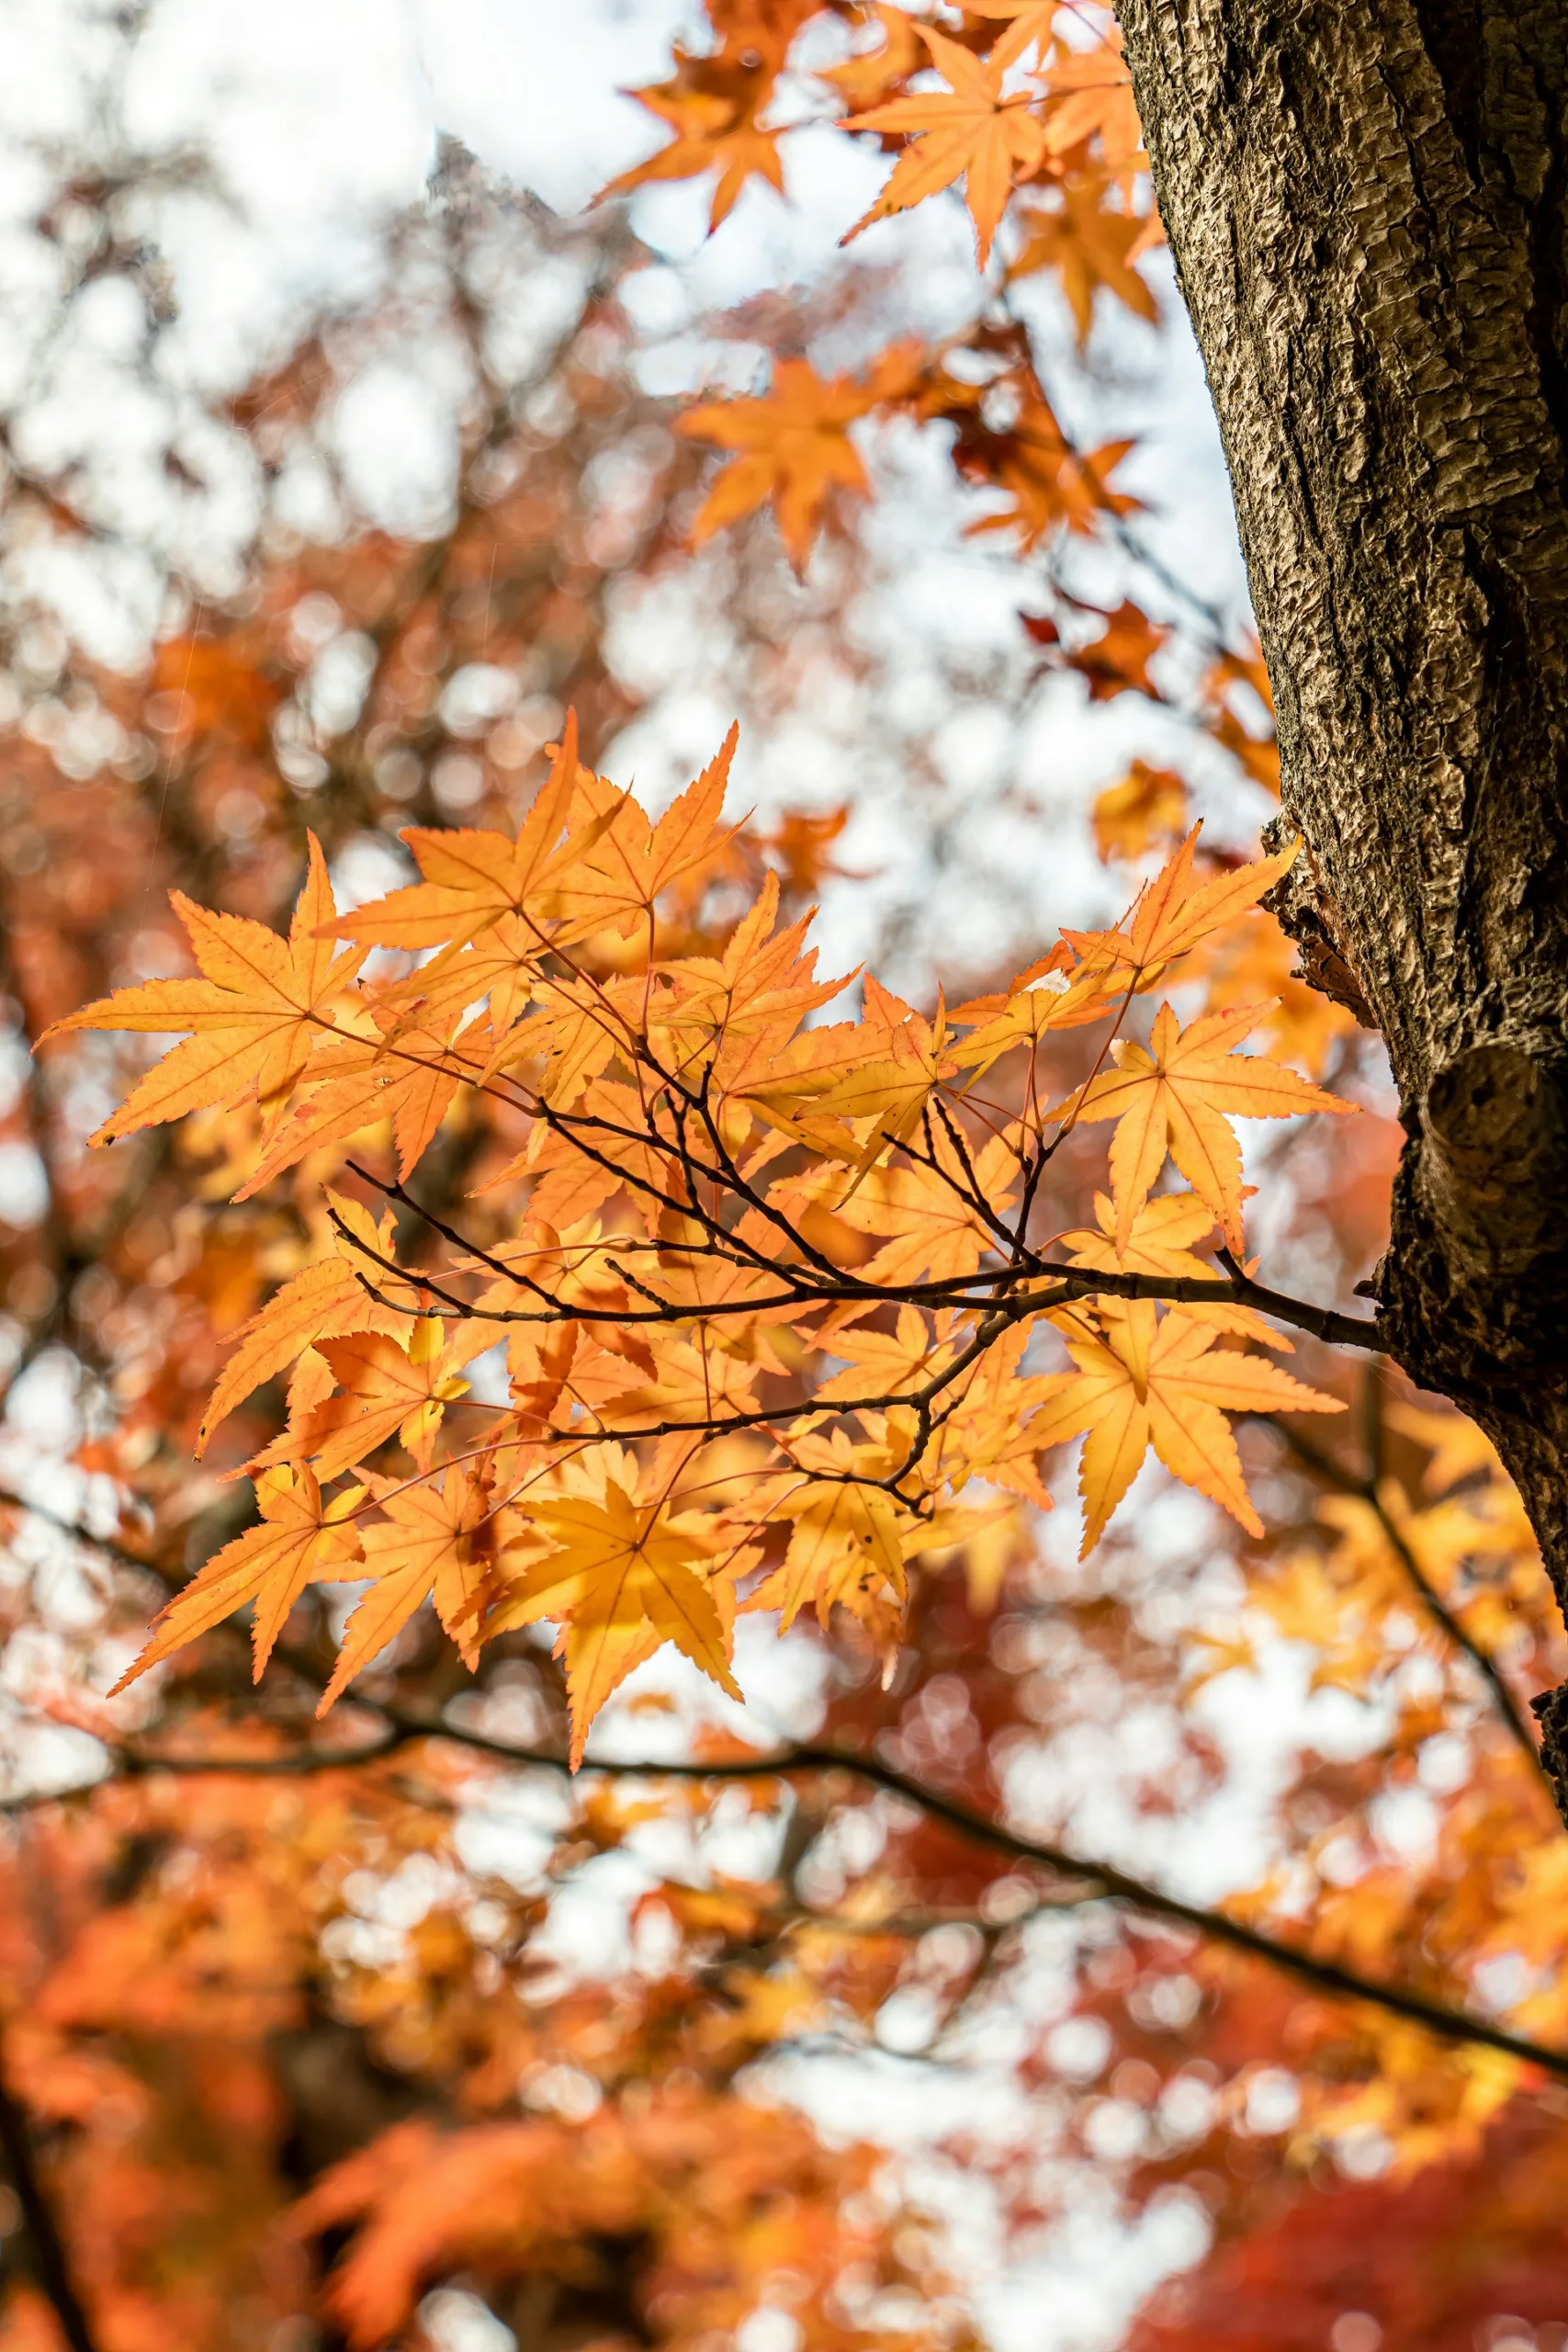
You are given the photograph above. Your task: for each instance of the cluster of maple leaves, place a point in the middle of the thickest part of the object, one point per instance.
(1066, 139)
(709, 1202)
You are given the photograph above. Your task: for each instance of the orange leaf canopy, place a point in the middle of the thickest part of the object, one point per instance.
(714, 1210)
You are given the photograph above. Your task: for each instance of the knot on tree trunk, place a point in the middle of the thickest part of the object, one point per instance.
(1495, 1161)
(1475, 1283)
(1474, 1286)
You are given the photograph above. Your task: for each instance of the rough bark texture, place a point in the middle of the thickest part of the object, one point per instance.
(1367, 201)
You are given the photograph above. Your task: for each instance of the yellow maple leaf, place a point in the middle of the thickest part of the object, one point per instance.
(626, 1573)
(1180, 1095)
(848, 1543)
(1159, 1242)
(1223, 1653)
(893, 1091)
(1047, 996)
(770, 2006)
(882, 1363)
(1140, 1382)
(1173, 913)
(970, 128)
(1309, 1604)
(1455, 1448)
(253, 1018)
(984, 1431)
(928, 1230)
(435, 1544)
(301, 1540)
(691, 1384)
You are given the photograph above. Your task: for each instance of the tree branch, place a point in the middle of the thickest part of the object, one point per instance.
(1115, 1885)
(1347, 1482)
(1236, 1288)
(1108, 1882)
(51, 2264)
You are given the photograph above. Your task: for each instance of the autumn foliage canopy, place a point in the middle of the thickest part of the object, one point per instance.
(490, 1255)
(708, 1200)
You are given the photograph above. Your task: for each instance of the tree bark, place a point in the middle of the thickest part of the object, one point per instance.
(1368, 204)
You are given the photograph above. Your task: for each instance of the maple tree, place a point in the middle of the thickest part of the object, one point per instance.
(527, 1276)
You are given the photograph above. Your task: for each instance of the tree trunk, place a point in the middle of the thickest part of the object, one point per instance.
(1367, 203)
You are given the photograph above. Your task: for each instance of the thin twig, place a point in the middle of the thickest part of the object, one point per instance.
(1236, 1287)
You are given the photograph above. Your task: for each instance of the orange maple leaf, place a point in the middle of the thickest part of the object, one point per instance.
(792, 444)
(1031, 24)
(1091, 248)
(1173, 913)
(473, 878)
(220, 685)
(1047, 480)
(1090, 96)
(1145, 806)
(383, 1388)
(435, 1544)
(1117, 661)
(1144, 1380)
(327, 1300)
(869, 76)
(712, 105)
(300, 1542)
(410, 1079)
(970, 128)
(1180, 1095)
(254, 1015)
(1249, 735)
